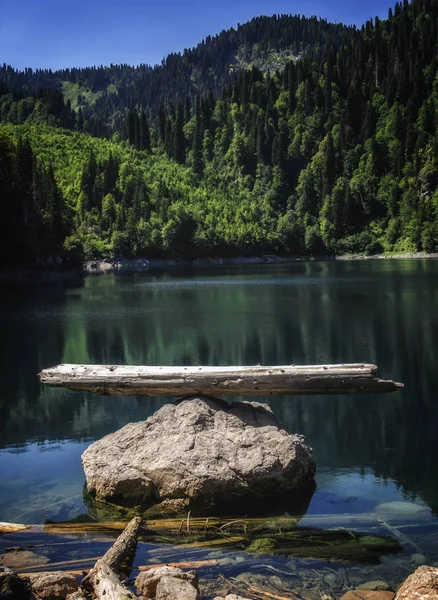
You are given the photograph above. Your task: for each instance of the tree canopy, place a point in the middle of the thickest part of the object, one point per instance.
(288, 135)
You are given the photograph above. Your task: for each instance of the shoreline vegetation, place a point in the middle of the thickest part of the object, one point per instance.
(305, 146)
(137, 265)
(142, 264)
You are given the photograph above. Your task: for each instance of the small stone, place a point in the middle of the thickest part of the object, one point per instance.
(225, 562)
(331, 579)
(368, 595)
(375, 586)
(172, 588)
(231, 597)
(418, 559)
(168, 583)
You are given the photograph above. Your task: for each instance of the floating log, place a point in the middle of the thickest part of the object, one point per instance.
(290, 380)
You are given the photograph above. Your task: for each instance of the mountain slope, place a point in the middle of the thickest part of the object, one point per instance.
(105, 92)
(328, 155)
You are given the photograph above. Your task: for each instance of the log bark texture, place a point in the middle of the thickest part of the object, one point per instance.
(102, 582)
(219, 381)
(12, 527)
(123, 550)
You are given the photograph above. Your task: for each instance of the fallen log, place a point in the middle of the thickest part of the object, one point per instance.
(290, 380)
(102, 582)
(12, 527)
(203, 523)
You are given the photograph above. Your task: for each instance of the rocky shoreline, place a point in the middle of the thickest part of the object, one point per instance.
(107, 265)
(113, 576)
(99, 266)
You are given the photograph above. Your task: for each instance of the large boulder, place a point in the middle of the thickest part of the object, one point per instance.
(421, 585)
(201, 452)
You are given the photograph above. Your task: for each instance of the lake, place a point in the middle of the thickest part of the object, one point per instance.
(374, 454)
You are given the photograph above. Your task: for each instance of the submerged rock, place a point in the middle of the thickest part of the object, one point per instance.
(423, 585)
(402, 511)
(368, 595)
(375, 586)
(201, 452)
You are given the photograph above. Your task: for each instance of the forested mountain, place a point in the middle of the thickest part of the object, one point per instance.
(104, 94)
(323, 141)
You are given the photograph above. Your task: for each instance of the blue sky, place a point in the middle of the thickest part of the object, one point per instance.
(55, 33)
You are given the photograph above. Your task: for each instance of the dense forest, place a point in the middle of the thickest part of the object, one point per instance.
(288, 136)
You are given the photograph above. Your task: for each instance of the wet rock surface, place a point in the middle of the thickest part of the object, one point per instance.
(200, 452)
(368, 595)
(423, 585)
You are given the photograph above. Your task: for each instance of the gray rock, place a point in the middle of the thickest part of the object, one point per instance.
(230, 597)
(332, 579)
(374, 586)
(402, 510)
(201, 450)
(168, 583)
(55, 585)
(418, 559)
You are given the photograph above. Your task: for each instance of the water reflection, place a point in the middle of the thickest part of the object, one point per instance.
(382, 312)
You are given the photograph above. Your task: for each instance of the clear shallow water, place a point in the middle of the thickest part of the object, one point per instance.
(369, 450)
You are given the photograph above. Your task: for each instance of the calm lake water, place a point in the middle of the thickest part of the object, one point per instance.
(374, 454)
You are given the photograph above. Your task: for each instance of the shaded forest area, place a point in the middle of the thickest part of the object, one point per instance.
(288, 135)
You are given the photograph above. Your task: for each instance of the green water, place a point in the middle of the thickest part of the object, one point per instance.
(370, 450)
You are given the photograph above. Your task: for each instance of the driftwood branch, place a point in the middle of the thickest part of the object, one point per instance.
(103, 581)
(122, 552)
(12, 527)
(103, 584)
(219, 381)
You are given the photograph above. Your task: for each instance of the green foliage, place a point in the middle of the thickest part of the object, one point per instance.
(310, 149)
